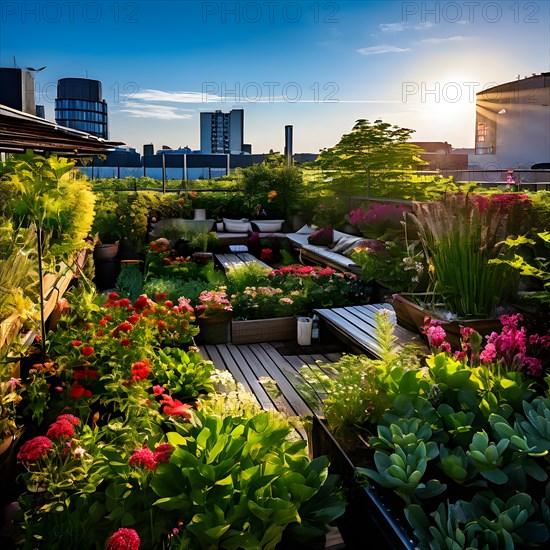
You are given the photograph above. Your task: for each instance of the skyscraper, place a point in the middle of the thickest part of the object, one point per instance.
(79, 105)
(222, 132)
(17, 89)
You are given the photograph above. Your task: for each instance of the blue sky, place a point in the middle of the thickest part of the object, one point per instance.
(317, 65)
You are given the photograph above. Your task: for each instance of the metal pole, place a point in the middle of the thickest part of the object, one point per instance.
(41, 290)
(163, 173)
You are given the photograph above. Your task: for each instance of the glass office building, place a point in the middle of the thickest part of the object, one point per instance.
(79, 105)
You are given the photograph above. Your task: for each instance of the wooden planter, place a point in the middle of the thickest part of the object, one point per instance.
(410, 315)
(369, 515)
(263, 330)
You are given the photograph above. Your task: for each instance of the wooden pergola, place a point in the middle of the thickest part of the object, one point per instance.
(20, 132)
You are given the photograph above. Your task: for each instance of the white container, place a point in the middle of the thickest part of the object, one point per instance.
(304, 331)
(200, 214)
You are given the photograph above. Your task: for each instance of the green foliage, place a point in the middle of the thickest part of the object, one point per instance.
(377, 159)
(460, 236)
(185, 374)
(174, 288)
(241, 483)
(402, 461)
(130, 282)
(18, 274)
(486, 522)
(538, 268)
(541, 211)
(52, 195)
(277, 188)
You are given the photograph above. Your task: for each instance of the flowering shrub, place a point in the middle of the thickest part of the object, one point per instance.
(510, 350)
(263, 301)
(397, 267)
(379, 221)
(213, 303)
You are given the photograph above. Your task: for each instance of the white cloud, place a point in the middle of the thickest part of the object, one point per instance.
(176, 97)
(424, 26)
(392, 27)
(161, 112)
(456, 38)
(384, 48)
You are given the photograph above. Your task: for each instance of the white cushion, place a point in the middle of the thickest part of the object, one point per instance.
(298, 238)
(306, 230)
(267, 226)
(236, 226)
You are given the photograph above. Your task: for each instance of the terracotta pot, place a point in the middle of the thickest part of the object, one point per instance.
(105, 251)
(5, 443)
(410, 315)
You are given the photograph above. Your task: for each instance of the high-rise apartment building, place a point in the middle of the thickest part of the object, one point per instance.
(222, 132)
(17, 90)
(80, 105)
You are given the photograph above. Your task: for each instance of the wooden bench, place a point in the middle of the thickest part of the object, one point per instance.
(357, 325)
(238, 259)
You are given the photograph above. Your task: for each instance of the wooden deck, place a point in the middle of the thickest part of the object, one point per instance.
(238, 259)
(271, 376)
(357, 325)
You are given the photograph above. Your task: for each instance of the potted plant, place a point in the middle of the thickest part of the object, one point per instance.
(214, 314)
(108, 229)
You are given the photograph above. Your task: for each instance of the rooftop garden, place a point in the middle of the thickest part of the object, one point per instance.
(115, 431)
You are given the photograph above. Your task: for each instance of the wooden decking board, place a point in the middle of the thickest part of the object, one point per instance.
(274, 364)
(259, 370)
(213, 355)
(238, 259)
(242, 365)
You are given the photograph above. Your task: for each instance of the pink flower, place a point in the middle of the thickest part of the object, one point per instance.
(488, 354)
(436, 336)
(69, 418)
(163, 453)
(466, 332)
(124, 539)
(143, 457)
(460, 355)
(533, 366)
(158, 390)
(62, 306)
(34, 449)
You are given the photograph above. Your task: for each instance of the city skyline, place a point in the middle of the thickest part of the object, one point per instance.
(318, 66)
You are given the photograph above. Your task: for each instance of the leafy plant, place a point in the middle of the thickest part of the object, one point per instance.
(241, 483)
(184, 374)
(130, 282)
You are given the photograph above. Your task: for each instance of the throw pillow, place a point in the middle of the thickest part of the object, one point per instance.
(344, 243)
(322, 237)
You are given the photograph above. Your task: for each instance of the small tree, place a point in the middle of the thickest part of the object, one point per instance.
(376, 159)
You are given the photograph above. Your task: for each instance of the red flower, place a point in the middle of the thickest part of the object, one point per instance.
(109, 317)
(140, 370)
(113, 296)
(77, 391)
(143, 457)
(62, 306)
(125, 343)
(124, 539)
(142, 302)
(103, 322)
(159, 296)
(99, 333)
(60, 429)
(87, 351)
(133, 318)
(34, 449)
(169, 303)
(77, 343)
(161, 324)
(158, 390)
(174, 407)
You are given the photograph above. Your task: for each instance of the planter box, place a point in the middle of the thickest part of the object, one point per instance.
(411, 315)
(369, 515)
(263, 330)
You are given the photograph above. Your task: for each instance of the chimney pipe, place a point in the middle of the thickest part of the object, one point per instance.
(289, 145)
